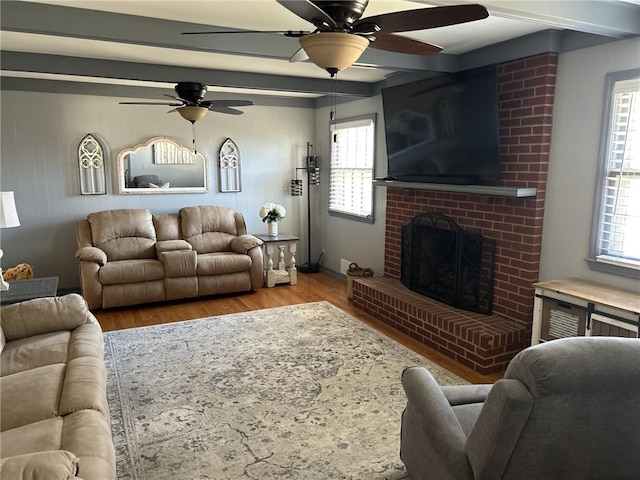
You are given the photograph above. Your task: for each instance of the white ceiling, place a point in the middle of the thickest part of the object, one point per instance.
(32, 27)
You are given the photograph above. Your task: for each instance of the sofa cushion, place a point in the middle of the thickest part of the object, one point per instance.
(124, 234)
(86, 433)
(123, 294)
(131, 271)
(167, 226)
(21, 402)
(51, 348)
(223, 262)
(32, 437)
(43, 315)
(208, 228)
(52, 465)
(33, 352)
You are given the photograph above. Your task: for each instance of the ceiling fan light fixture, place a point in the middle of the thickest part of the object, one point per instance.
(192, 114)
(333, 51)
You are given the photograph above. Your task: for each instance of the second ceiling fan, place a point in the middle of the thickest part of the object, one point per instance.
(192, 106)
(341, 35)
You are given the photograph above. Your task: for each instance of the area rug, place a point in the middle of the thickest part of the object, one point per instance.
(297, 392)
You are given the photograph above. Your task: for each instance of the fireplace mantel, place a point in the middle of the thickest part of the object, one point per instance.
(516, 192)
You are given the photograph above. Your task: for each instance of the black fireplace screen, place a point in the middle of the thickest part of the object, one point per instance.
(444, 262)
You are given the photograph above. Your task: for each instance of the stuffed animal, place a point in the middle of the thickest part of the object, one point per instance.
(21, 271)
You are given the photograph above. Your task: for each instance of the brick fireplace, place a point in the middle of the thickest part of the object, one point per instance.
(484, 342)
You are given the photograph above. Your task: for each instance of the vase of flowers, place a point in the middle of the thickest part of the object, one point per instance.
(271, 214)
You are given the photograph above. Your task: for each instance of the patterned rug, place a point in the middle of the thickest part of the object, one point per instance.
(297, 392)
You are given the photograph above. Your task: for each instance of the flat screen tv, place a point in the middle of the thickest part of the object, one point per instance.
(444, 129)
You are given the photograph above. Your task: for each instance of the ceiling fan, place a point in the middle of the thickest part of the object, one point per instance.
(192, 106)
(341, 35)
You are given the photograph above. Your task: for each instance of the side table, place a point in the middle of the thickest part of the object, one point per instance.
(286, 271)
(574, 307)
(28, 289)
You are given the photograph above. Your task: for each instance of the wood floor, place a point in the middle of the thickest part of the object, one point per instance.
(310, 288)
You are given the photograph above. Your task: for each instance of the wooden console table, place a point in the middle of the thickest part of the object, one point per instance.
(574, 307)
(28, 289)
(286, 271)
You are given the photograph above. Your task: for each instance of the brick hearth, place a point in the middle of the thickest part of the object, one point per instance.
(526, 94)
(485, 343)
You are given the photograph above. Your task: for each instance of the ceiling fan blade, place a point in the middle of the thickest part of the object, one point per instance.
(151, 103)
(398, 44)
(286, 33)
(299, 56)
(425, 18)
(174, 97)
(225, 103)
(229, 110)
(310, 12)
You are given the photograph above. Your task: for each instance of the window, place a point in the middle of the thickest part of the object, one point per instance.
(352, 161)
(615, 243)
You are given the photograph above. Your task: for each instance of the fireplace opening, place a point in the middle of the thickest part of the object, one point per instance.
(444, 262)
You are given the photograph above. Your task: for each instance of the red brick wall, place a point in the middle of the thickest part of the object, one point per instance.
(526, 90)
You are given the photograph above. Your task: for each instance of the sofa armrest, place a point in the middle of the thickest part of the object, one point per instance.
(92, 254)
(172, 246)
(244, 243)
(45, 464)
(432, 440)
(44, 315)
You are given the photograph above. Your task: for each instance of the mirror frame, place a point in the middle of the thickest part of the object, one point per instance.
(121, 181)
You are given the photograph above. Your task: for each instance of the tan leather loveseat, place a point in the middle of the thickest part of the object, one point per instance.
(53, 401)
(130, 256)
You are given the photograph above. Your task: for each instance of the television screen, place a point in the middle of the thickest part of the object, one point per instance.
(444, 129)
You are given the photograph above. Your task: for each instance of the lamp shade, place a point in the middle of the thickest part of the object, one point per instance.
(333, 51)
(8, 212)
(193, 114)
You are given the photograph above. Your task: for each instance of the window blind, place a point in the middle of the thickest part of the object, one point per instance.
(619, 225)
(352, 161)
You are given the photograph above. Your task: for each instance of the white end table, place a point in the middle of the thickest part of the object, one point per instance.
(286, 271)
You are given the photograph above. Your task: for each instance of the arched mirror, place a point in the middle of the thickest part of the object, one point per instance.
(162, 165)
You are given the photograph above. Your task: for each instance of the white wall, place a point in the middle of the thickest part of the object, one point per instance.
(39, 140)
(351, 240)
(575, 143)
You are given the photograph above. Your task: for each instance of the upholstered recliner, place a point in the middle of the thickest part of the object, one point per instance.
(54, 414)
(130, 256)
(566, 409)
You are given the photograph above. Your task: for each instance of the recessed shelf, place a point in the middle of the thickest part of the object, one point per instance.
(516, 192)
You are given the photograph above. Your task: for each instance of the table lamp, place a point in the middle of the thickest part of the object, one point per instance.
(8, 219)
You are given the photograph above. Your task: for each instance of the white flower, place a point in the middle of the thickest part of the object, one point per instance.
(271, 212)
(264, 211)
(279, 209)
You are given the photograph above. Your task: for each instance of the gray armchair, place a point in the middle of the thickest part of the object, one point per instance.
(566, 409)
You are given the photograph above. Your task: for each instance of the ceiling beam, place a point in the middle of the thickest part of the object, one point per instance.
(88, 67)
(599, 17)
(139, 92)
(55, 20)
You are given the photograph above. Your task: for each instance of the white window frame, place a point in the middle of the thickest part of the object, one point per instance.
(617, 205)
(352, 171)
